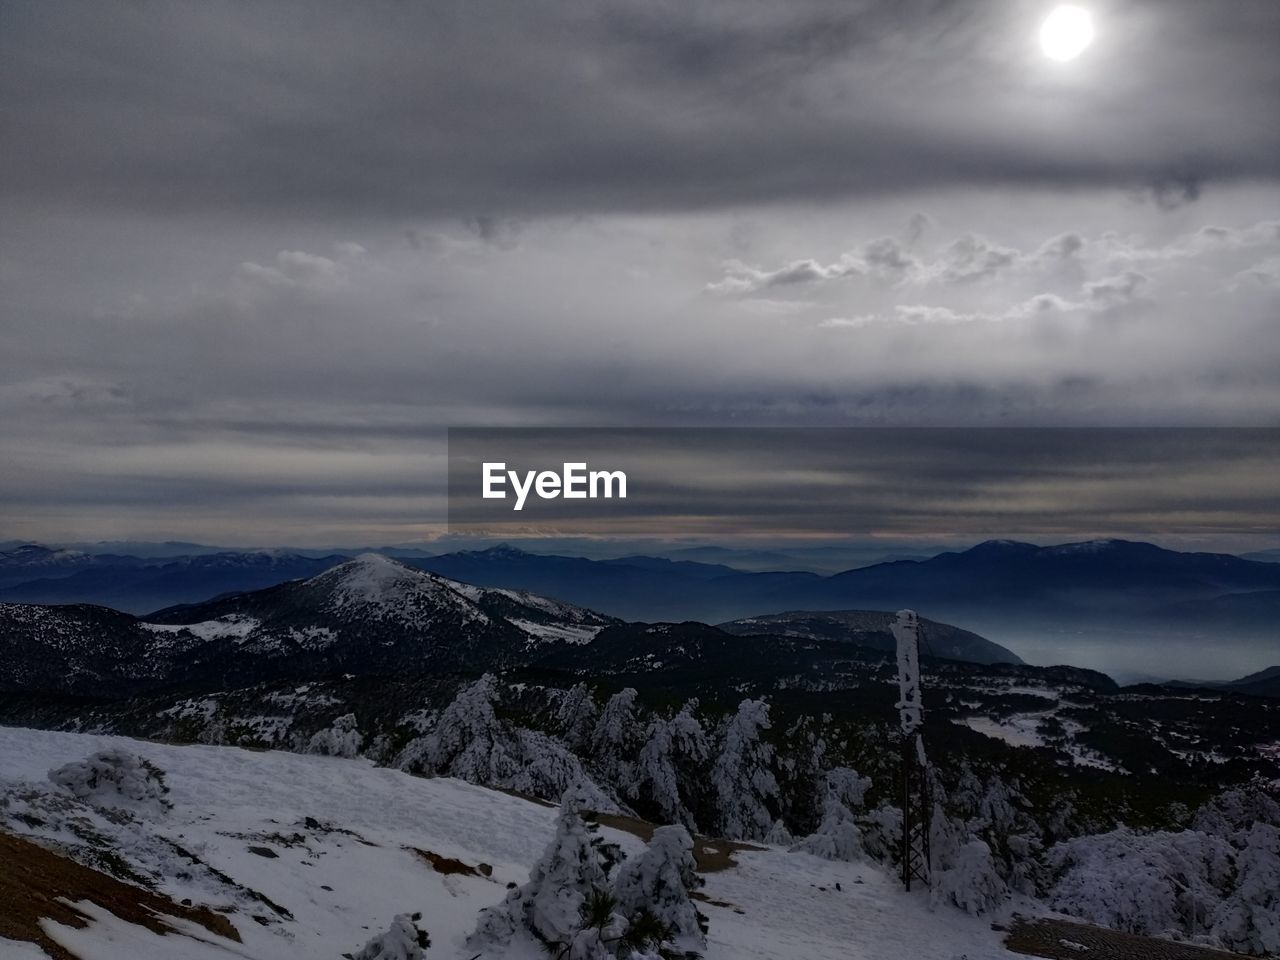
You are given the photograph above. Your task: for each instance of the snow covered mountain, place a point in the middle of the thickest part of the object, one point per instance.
(370, 615)
(1122, 607)
(378, 616)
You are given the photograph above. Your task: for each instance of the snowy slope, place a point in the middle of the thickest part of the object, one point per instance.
(342, 832)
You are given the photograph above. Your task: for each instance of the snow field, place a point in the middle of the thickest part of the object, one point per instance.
(345, 884)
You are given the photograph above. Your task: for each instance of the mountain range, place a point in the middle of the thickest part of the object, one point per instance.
(377, 616)
(1108, 604)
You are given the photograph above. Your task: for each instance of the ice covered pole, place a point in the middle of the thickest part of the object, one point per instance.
(915, 780)
(906, 631)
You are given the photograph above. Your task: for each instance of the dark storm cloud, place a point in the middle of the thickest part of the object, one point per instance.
(255, 258)
(487, 108)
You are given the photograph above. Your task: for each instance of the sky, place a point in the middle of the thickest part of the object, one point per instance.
(255, 260)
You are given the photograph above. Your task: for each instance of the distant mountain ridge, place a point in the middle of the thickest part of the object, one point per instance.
(1110, 582)
(1101, 575)
(1129, 600)
(1263, 683)
(377, 616)
(37, 574)
(871, 629)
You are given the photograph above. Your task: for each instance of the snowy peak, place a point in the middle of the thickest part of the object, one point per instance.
(383, 588)
(379, 588)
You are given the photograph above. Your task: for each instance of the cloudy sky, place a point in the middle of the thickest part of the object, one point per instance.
(256, 258)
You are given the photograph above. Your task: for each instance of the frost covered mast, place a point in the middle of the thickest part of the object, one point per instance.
(914, 854)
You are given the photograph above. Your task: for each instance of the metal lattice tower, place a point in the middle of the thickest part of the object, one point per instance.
(916, 812)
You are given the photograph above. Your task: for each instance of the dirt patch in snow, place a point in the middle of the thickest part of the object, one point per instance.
(711, 855)
(703, 898)
(39, 884)
(449, 866)
(1064, 940)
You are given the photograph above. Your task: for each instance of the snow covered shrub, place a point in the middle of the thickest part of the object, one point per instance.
(1238, 809)
(1249, 920)
(743, 782)
(404, 941)
(658, 882)
(600, 932)
(967, 878)
(963, 872)
(1158, 884)
(1218, 882)
(838, 836)
(343, 739)
(115, 778)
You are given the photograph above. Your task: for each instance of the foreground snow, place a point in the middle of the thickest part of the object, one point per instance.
(344, 834)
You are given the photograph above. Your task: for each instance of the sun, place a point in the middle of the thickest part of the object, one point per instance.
(1066, 32)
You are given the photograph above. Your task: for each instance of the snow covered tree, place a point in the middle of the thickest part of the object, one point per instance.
(576, 716)
(658, 882)
(469, 741)
(800, 768)
(403, 941)
(214, 732)
(115, 778)
(548, 769)
(1016, 839)
(343, 739)
(669, 765)
(881, 831)
(779, 835)
(743, 783)
(569, 907)
(550, 906)
(998, 813)
(615, 740)
(838, 836)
